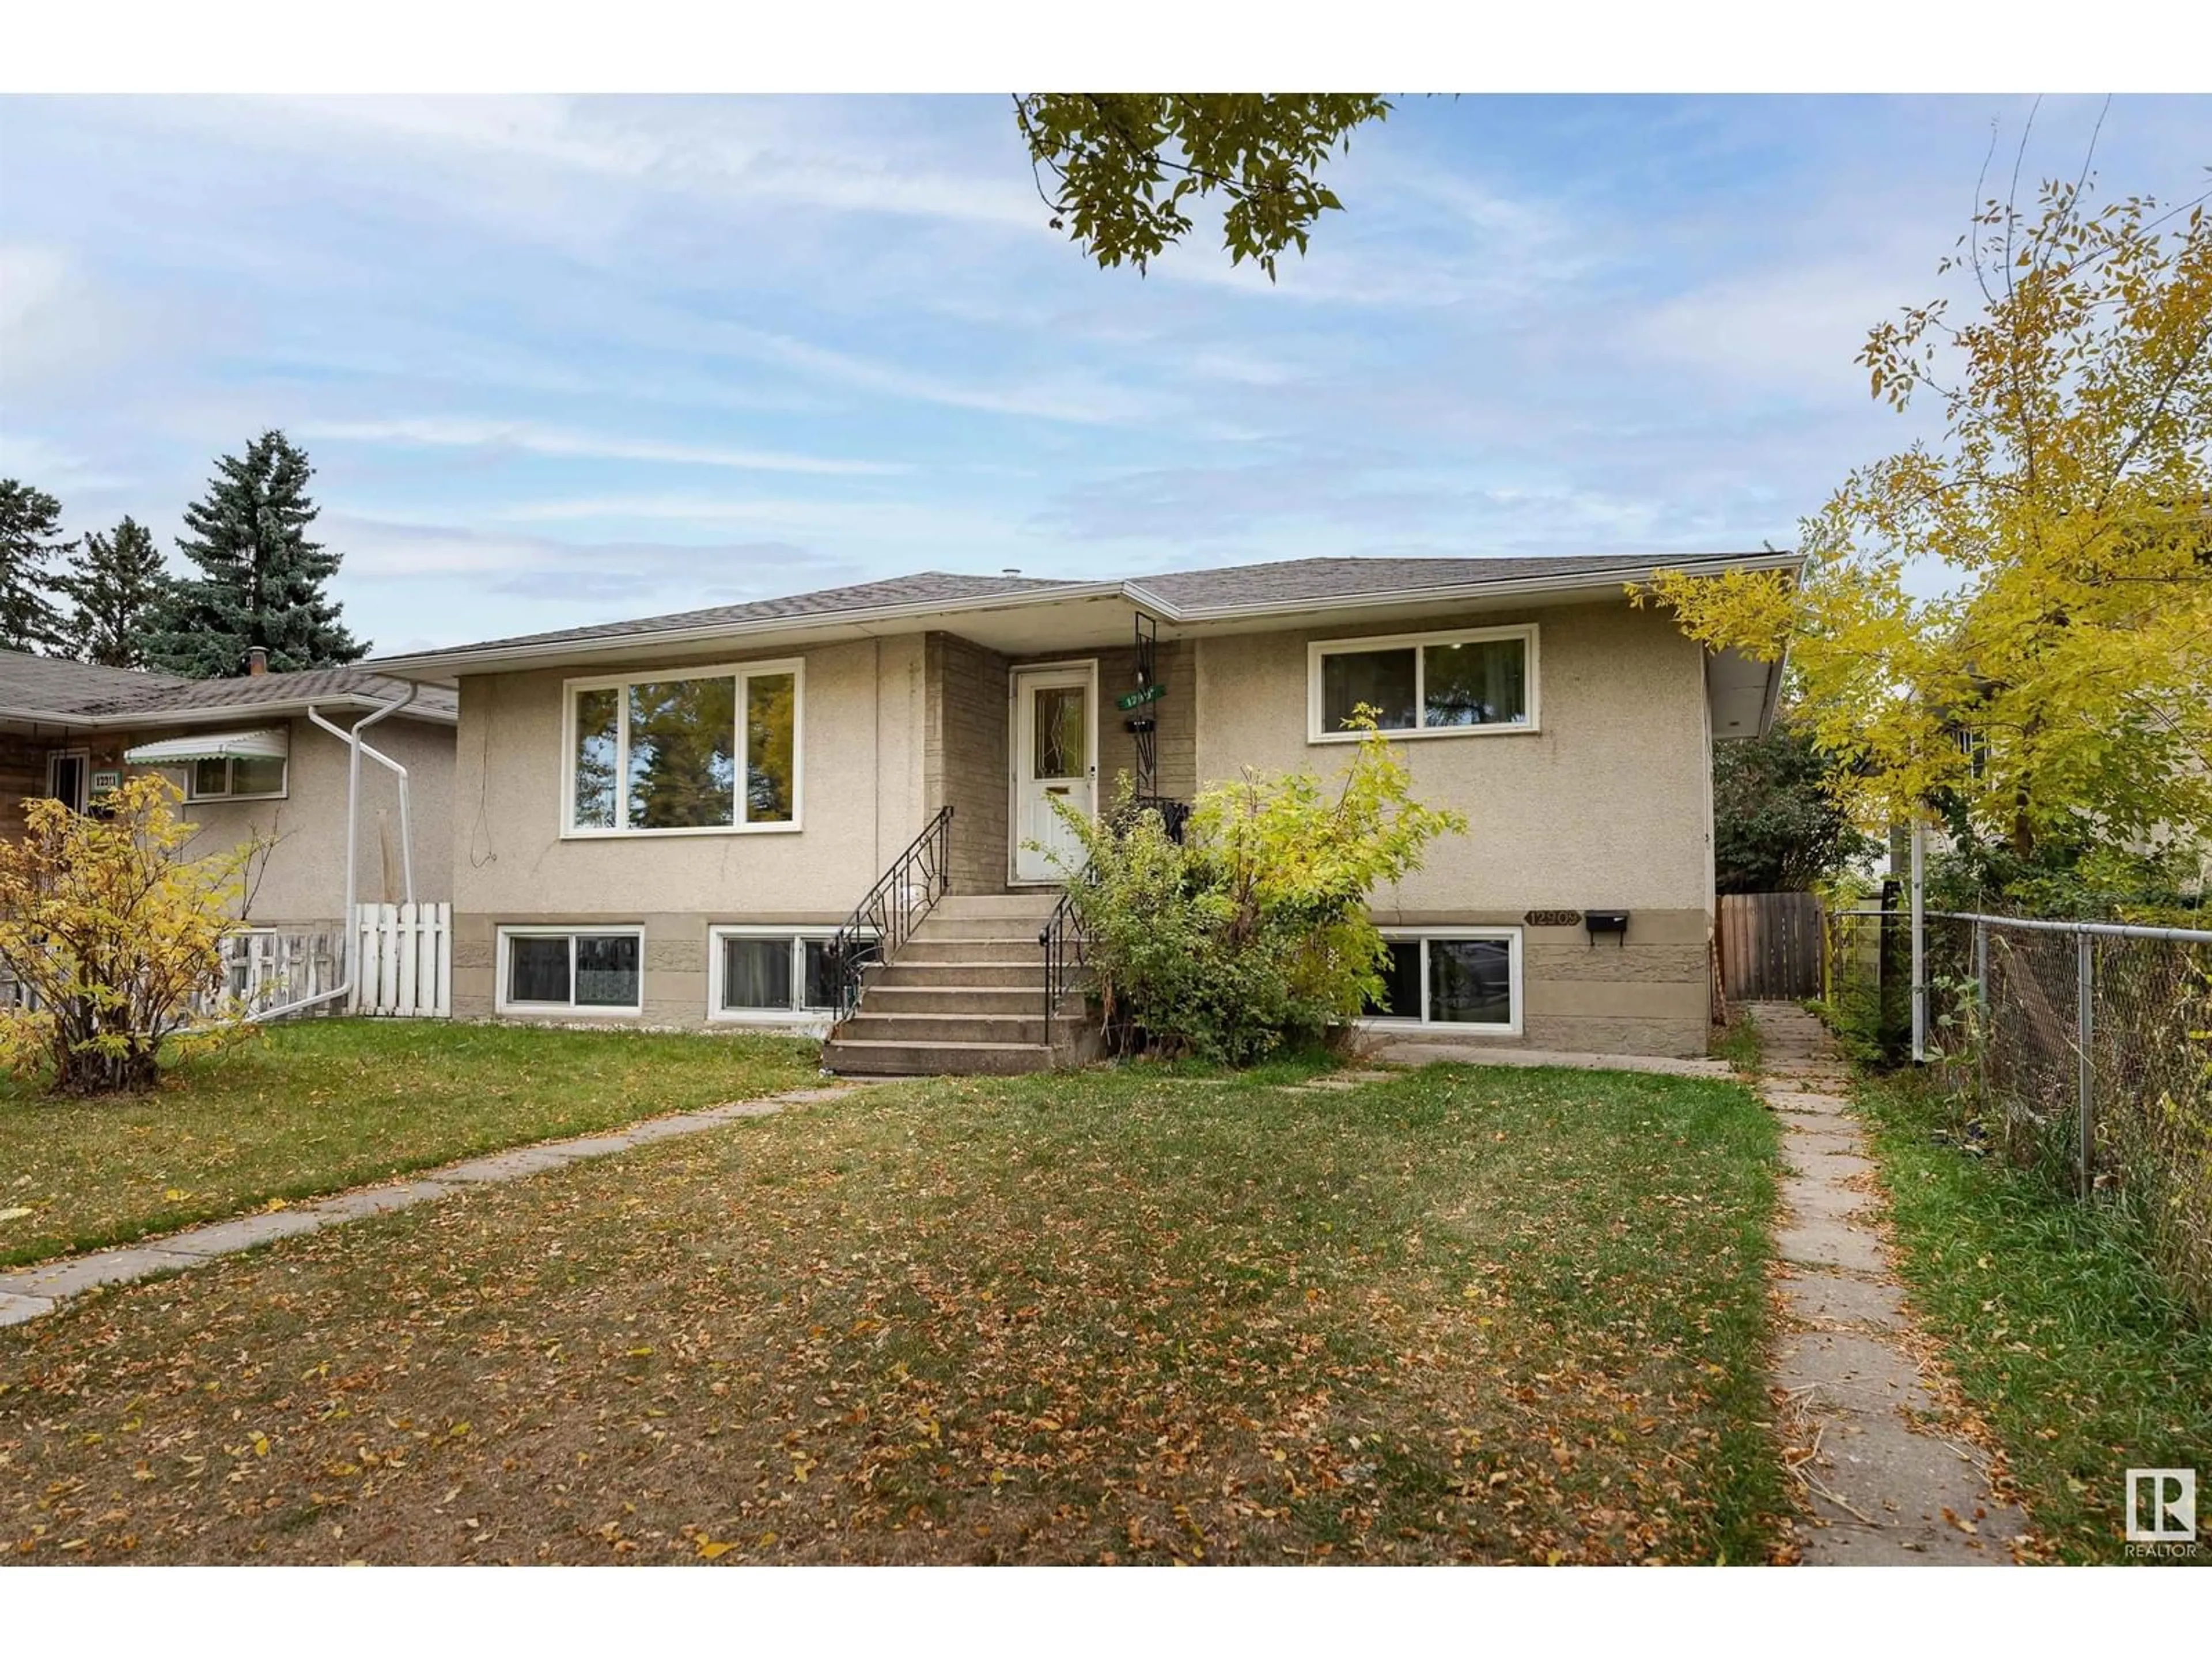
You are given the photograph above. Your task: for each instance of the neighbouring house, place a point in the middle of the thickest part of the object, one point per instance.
(668, 820)
(251, 763)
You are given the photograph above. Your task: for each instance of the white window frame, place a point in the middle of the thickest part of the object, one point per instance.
(1515, 993)
(740, 672)
(192, 771)
(83, 759)
(718, 1013)
(1318, 649)
(569, 1009)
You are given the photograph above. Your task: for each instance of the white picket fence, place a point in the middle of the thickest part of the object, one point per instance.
(406, 965)
(406, 958)
(267, 968)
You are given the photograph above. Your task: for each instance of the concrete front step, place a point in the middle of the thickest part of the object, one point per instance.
(913, 998)
(1010, 928)
(1026, 976)
(849, 1057)
(989, 1030)
(1014, 952)
(1034, 906)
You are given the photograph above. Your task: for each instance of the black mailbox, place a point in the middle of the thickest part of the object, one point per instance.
(1607, 921)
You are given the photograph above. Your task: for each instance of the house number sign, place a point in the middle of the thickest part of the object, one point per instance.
(1552, 918)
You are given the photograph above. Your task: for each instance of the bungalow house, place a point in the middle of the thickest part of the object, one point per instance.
(253, 760)
(668, 820)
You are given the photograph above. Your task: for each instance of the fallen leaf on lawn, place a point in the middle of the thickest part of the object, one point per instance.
(711, 1550)
(15, 1214)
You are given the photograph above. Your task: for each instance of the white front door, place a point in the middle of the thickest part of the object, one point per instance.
(1055, 759)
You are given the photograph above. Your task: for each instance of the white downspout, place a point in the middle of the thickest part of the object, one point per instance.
(352, 950)
(406, 832)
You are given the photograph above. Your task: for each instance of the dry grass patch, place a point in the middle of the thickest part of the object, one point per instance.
(1124, 1316)
(322, 1104)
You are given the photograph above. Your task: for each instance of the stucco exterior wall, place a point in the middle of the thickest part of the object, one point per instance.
(301, 882)
(861, 792)
(1605, 805)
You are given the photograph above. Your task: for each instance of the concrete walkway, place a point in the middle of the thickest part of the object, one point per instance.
(29, 1292)
(1883, 1483)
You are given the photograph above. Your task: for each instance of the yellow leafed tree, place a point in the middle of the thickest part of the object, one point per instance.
(116, 933)
(2011, 627)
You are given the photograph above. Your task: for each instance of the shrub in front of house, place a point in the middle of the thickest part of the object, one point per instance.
(1252, 932)
(115, 939)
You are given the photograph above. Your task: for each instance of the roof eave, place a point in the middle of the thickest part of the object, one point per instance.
(440, 665)
(1497, 587)
(291, 708)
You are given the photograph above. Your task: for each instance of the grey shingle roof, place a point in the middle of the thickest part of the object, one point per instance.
(1290, 580)
(55, 685)
(926, 587)
(63, 687)
(1177, 594)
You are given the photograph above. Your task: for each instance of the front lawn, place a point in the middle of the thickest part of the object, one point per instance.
(2083, 1362)
(321, 1104)
(1121, 1316)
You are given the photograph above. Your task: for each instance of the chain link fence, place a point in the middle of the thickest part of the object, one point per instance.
(2082, 1052)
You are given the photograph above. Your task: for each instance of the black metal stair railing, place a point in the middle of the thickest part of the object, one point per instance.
(1173, 814)
(1062, 941)
(887, 916)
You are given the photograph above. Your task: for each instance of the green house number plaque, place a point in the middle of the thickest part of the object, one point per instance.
(1139, 698)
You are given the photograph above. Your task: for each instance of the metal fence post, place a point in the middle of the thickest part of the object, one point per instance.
(2085, 1025)
(1982, 1021)
(1919, 949)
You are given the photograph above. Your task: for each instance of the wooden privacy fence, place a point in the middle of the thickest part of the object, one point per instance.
(1769, 947)
(406, 960)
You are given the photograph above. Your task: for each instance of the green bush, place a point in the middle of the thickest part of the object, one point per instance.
(1252, 932)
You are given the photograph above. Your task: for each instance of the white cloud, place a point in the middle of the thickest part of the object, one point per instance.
(446, 432)
(753, 151)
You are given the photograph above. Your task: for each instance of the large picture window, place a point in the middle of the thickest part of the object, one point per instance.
(1424, 684)
(700, 750)
(1462, 977)
(598, 971)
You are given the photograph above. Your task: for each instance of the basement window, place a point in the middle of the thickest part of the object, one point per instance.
(560, 970)
(771, 973)
(1463, 978)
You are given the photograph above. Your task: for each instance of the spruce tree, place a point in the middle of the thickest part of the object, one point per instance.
(116, 585)
(30, 540)
(261, 581)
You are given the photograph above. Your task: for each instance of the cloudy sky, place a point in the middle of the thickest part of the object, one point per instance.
(561, 361)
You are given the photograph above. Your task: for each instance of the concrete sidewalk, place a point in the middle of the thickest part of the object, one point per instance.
(1883, 1484)
(29, 1292)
